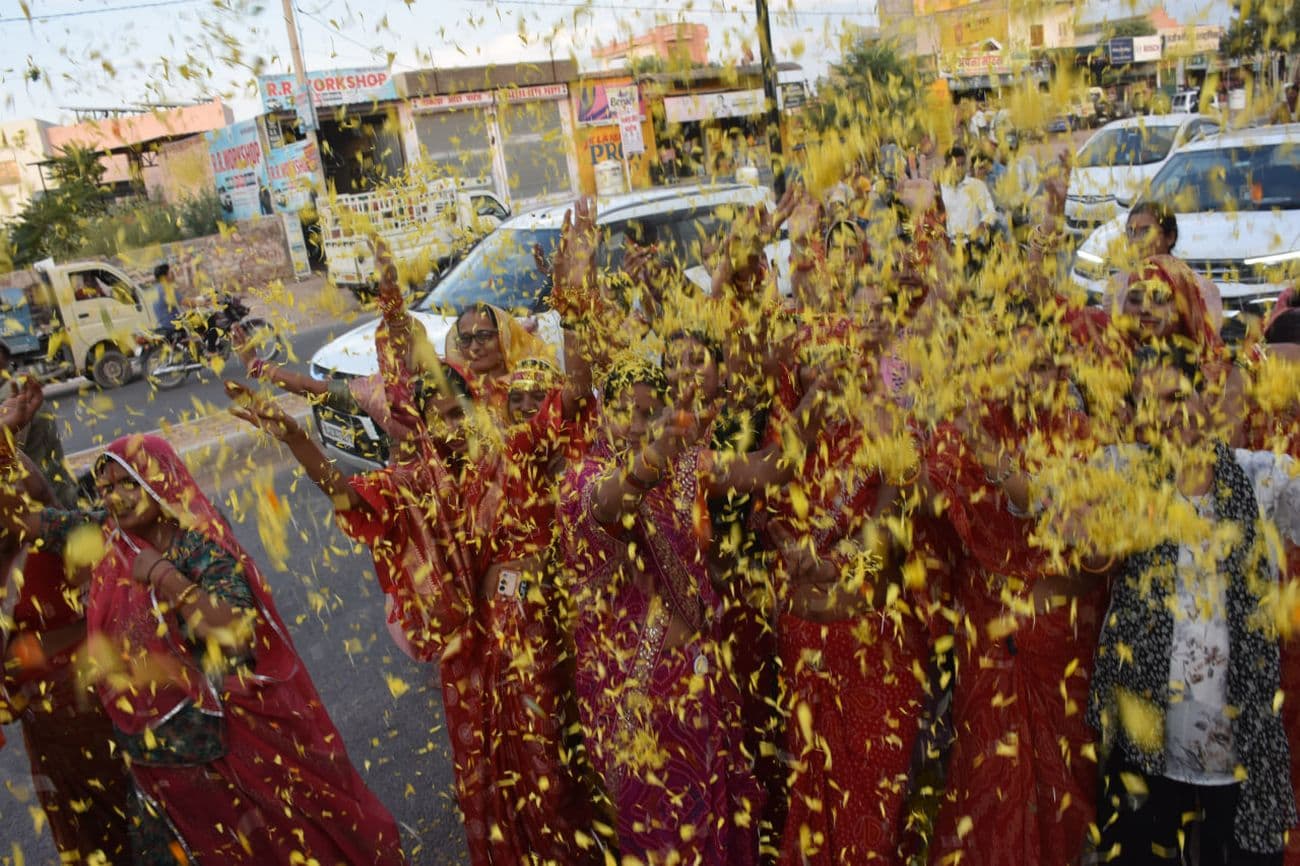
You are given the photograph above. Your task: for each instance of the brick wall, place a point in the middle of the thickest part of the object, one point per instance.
(250, 255)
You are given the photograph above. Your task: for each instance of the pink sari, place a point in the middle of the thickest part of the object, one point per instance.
(281, 748)
(662, 723)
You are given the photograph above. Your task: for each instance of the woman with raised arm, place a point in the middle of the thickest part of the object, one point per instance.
(212, 705)
(461, 540)
(659, 711)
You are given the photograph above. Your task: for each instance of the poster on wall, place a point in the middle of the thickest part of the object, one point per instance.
(239, 171)
(597, 101)
(297, 245)
(295, 173)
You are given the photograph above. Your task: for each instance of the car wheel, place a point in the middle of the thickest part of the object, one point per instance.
(111, 368)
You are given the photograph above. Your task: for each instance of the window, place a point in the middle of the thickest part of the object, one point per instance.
(1258, 178)
(487, 206)
(1036, 35)
(94, 284)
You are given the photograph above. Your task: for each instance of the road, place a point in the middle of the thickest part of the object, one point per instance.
(89, 417)
(334, 610)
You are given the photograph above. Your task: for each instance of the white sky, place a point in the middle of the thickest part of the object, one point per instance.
(177, 50)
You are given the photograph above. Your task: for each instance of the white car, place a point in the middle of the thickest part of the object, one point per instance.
(1237, 200)
(1117, 163)
(502, 271)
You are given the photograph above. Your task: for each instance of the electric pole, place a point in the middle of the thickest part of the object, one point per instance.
(770, 98)
(299, 68)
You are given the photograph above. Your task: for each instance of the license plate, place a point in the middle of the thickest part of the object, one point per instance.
(338, 434)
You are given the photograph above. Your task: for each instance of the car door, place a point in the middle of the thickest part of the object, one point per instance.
(104, 306)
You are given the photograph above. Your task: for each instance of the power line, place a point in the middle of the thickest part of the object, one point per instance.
(618, 7)
(50, 16)
(337, 31)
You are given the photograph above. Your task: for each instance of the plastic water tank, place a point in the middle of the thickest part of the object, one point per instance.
(609, 178)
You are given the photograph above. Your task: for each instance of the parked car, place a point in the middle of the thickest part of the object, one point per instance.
(502, 271)
(1115, 165)
(1237, 199)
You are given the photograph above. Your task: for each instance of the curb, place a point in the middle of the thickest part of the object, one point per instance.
(218, 449)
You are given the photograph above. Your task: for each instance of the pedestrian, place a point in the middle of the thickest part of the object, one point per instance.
(210, 701)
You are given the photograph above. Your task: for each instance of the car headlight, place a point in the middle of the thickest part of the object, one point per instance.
(1273, 259)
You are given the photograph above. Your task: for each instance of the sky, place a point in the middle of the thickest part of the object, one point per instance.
(114, 53)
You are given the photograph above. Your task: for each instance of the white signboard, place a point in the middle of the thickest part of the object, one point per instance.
(297, 245)
(1147, 48)
(451, 101)
(625, 104)
(539, 91)
(629, 133)
(702, 106)
(328, 89)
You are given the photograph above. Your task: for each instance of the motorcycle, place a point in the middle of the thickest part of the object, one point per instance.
(196, 341)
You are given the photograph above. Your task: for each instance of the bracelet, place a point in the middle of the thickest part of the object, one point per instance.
(148, 576)
(186, 596)
(1000, 479)
(257, 368)
(1110, 563)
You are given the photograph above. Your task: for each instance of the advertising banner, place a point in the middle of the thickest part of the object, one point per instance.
(239, 171)
(1120, 50)
(450, 101)
(972, 25)
(596, 98)
(703, 106)
(329, 89)
(295, 172)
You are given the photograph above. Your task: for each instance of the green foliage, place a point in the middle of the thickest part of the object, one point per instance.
(200, 215)
(1133, 27)
(1262, 25)
(872, 78)
(53, 224)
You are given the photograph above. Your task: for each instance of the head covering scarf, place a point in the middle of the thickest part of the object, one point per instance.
(532, 374)
(1181, 280)
(516, 342)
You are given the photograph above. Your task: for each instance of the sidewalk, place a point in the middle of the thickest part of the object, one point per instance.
(295, 306)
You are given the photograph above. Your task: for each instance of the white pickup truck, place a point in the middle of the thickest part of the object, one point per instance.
(429, 223)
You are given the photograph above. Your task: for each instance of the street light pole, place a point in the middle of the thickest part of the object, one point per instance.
(770, 98)
(299, 67)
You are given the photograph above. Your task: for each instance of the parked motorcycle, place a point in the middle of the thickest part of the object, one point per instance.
(171, 356)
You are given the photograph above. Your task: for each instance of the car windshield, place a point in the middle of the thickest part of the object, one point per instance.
(1130, 145)
(502, 270)
(1260, 178)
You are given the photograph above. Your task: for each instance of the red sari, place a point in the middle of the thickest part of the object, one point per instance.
(1020, 788)
(279, 746)
(852, 700)
(80, 780)
(430, 529)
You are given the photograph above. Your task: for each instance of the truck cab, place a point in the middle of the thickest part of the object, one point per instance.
(81, 319)
(427, 224)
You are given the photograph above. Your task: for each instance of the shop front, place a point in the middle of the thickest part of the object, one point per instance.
(536, 130)
(600, 137)
(355, 115)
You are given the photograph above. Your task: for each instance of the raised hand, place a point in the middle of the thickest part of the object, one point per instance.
(21, 405)
(573, 267)
(264, 414)
(389, 292)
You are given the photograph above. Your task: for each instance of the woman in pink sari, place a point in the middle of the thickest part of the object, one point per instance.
(233, 757)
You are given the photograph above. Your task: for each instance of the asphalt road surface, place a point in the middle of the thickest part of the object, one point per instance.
(384, 704)
(89, 417)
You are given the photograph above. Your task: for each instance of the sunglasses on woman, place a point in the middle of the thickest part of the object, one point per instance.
(483, 338)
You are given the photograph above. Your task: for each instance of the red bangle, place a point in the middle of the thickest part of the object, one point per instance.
(257, 368)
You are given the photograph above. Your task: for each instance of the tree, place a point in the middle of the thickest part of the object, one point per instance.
(1132, 27)
(1261, 26)
(51, 224)
(871, 76)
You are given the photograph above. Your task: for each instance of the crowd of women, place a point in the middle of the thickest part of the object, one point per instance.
(917, 563)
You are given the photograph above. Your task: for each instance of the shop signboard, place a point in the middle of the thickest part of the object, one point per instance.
(705, 106)
(794, 94)
(297, 245)
(1147, 49)
(973, 25)
(451, 101)
(1120, 51)
(329, 89)
(295, 172)
(626, 106)
(538, 91)
(984, 63)
(239, 171)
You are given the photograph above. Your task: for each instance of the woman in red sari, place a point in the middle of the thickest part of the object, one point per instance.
(660, 714)
(460, 535)
(80, 780)
(851, 646)
(217, 745)
(1021, 777)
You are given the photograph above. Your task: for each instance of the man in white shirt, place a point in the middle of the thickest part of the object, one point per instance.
(972, 215)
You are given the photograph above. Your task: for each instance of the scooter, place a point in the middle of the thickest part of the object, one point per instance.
(171, 356)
